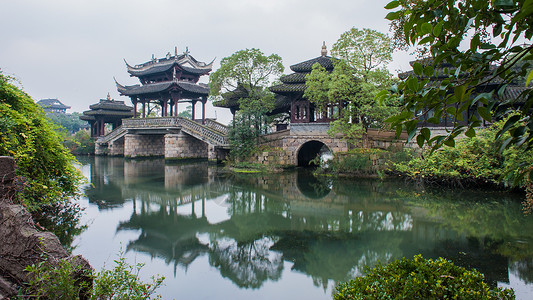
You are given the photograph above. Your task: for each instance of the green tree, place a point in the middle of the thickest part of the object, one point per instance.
(367, 52)
(46, 167)
(483, 41)
(253, 72)
(71, 122)
(248, 68)
(187, 113)
(355, 98)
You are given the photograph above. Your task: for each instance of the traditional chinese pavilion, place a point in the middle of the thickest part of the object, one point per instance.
(106, 111)
(168, 81)
(290, 93)
(292, 87)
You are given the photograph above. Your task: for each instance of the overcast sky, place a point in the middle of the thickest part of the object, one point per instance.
(72, 49)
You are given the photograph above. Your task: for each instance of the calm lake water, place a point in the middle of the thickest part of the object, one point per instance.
(215, 235)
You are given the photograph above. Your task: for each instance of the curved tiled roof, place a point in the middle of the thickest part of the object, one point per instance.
(157, 87)
(307, 66)
(183, 61)
(105, 112)
(288, 88)
(294, 78)
(110, 105)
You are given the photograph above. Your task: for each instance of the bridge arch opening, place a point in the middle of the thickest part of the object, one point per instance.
(310, 150)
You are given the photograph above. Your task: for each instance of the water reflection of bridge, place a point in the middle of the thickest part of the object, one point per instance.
(329, 231)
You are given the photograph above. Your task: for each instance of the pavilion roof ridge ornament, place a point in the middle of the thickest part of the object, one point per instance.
(324, 51)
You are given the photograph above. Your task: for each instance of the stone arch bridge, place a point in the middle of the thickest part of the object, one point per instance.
(180, 138)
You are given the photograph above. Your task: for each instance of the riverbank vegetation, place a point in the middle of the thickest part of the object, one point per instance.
(55, 281)
(420, 279)
(46, 170)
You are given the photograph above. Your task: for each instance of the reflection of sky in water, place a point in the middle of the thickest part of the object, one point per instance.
(263, 237)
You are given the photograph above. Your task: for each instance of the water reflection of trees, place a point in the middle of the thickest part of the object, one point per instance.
(247, 263)
(330, 236)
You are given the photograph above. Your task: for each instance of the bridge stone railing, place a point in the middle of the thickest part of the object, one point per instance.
(203, 133)
(216, 126)
(151, 123)
(212, 133)
(113, 135)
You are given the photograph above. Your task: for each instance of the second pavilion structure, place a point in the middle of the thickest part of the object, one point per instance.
(168, 81)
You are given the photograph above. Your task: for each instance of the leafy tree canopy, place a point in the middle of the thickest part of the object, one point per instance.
(367, 51)
(46, 167)
(252, 71)
(248, 68)
(359, 109)
(359, 73)
(484, 42)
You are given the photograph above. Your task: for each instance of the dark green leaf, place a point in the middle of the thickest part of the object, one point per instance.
(497, 29)
(429, 71)
(484, 113)
(420, 140)
(426, 28)
(426, 40)
(438, 28)
(450, 142)
(510, 122)
(426, 133)
(471, 132)
(393, 15)
(417, 68)
(392, 4)
(474, 43)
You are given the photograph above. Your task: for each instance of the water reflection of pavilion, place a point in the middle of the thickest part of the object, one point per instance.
(328, 231)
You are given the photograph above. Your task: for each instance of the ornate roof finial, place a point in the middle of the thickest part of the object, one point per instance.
(176, 51)
(187, 50)
(153, 57)
(108, 96)
(324, 51)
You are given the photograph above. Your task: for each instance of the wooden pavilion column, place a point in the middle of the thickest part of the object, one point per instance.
(171, 107)
(144, 107)
(193, 102)
(204, 100)
(134, 101)
(175, 96)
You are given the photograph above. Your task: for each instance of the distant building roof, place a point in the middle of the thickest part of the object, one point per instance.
(52, 104)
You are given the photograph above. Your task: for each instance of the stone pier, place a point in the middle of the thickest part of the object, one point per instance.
(183, 145)
(143, 145)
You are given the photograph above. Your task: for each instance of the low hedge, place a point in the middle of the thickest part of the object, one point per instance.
(420, 279)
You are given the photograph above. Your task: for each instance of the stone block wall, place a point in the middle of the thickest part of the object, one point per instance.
(182, 145)
(116, 148)
(307, 129)
(138, 145)
(100, 149)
